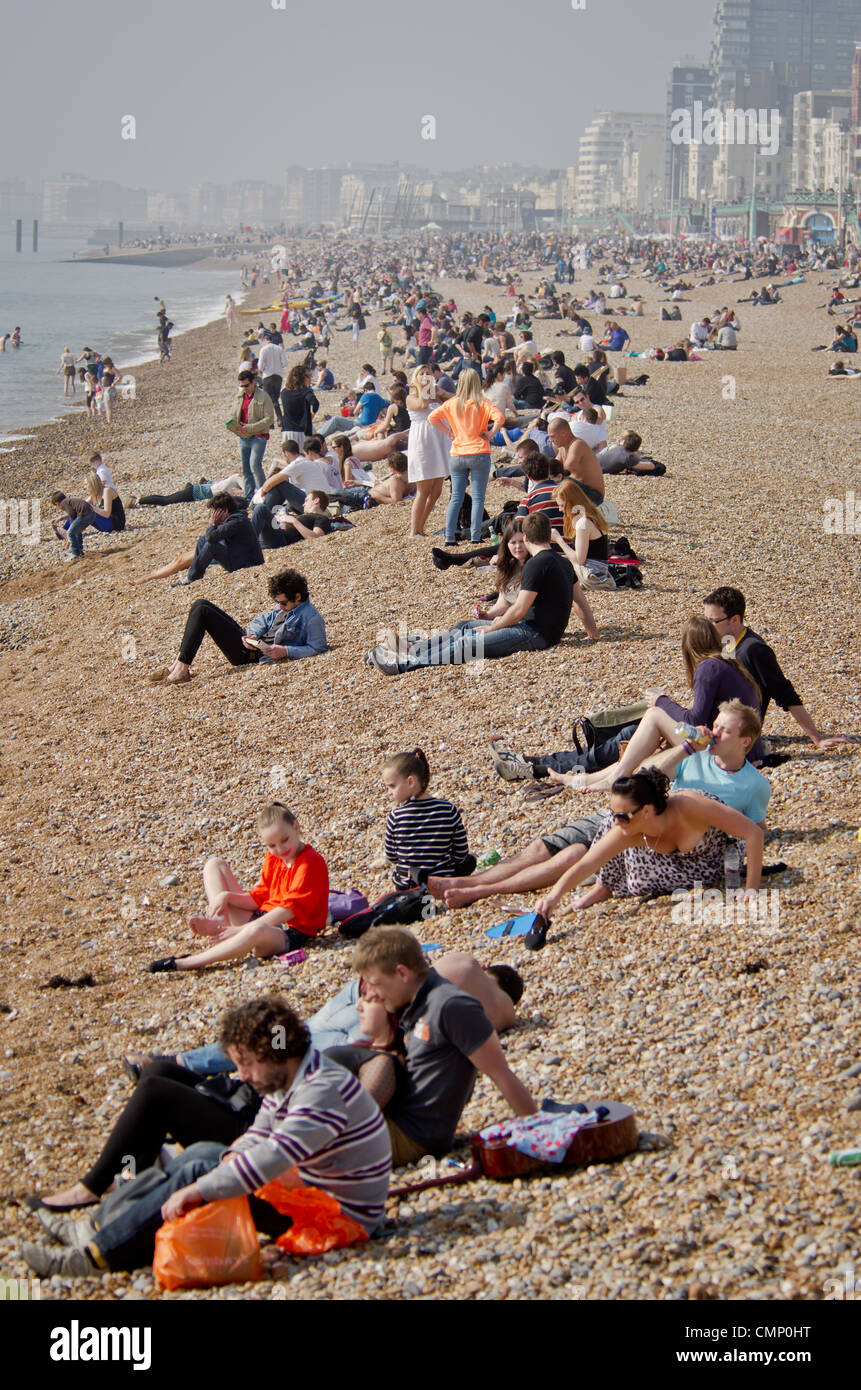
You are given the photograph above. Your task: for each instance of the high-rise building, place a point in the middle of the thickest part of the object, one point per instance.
(689, 83)
(602, 145)
(817, 37)
(811, 113)
(855, 114)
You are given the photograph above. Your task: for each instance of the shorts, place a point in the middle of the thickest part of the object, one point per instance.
(294, 939)
(404, 1149)
(582, 832)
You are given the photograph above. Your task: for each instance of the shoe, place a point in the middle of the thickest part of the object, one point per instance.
(46, 1260)
(510, 766)
(76, 1234)
(35, 1203)
(540, 791)
(537, 937)
(180, 583)
(440, 559)
(384, 660)
(71, 559)
(156, 967)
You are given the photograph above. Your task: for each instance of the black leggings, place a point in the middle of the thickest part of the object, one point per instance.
(164, 1103)
(205, 617)
(157, 499)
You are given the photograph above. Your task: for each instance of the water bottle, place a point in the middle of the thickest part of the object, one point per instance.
(488, 860)
(731, 865)
(691, 734)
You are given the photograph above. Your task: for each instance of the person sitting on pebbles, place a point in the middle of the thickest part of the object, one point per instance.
(230, 541)
(285, 911)
(290, 631)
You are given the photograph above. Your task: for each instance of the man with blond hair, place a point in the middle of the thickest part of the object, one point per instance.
(447, 1037)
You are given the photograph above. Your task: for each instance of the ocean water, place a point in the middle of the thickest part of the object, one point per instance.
(109, 308)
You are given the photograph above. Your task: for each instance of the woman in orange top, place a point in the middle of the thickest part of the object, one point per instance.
(284, 911)
(470, 419)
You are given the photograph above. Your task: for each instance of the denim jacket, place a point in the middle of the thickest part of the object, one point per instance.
(302, 631)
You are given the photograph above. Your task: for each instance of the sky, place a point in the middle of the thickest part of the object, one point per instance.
(231, 89)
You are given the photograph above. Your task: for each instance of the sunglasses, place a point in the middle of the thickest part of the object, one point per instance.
(283, 602)
(623, 817)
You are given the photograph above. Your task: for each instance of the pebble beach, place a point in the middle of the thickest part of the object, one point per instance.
(732, 1041)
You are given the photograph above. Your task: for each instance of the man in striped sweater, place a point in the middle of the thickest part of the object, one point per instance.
(314, 1116)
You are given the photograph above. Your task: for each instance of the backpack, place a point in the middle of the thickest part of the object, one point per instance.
(404, 906)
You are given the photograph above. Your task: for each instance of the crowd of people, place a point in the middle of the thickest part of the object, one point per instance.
(381, 1073)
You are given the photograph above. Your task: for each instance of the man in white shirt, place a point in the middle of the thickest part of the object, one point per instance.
(587, 342)
(271, 363)
(700, 331)
(294, 468)
(587, 426)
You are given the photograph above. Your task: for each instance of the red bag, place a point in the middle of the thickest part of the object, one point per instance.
(318, 1222)
(214, 1244)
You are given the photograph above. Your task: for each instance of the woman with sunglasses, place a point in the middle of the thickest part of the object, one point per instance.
(293, 629)
(653, 842)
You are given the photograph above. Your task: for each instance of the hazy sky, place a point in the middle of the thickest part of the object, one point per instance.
(225, 89)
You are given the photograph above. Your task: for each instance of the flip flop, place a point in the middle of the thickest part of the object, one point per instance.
(539, 791)
(514, 926)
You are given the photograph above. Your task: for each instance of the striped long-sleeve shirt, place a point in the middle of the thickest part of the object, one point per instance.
(328, 1126)
(424, 833)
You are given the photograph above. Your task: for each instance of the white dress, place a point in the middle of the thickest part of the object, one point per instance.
(428, 449)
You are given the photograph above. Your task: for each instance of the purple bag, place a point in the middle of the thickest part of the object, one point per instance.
(342, 905)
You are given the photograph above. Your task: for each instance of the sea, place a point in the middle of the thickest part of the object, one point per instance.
(58, 302)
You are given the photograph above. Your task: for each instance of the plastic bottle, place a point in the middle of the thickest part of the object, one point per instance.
(692, 735)
(845, 1158)
(731, 866)
(488, 860)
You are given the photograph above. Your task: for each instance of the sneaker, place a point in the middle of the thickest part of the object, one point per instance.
(181, 582)
(513, 767)
(537, 937)
(440, 559)
(384, 660)
(158, 967)
(47, 1260)
(66, 1229)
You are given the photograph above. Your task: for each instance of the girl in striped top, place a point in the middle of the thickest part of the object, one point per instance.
(423, 833)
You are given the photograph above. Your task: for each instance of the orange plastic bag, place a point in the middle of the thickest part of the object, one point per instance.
(214, 1244)
(318, 1222)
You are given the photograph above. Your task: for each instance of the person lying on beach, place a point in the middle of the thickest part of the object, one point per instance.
(498, 988)
(314, 1115)
(721, 769)
(625, 457)
(280, 527)
(230, 541)
(284, 912)
(396, 487)
(291, 631)
(196, 492)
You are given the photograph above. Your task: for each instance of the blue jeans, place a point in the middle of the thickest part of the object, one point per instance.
(74, 529)
(593, 760)
(470, 641)
(128, 1241)
(332, 1026)
(251, 453)
(208, 553)
(476, 469)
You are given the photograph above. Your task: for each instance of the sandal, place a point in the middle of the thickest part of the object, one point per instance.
(539, 791)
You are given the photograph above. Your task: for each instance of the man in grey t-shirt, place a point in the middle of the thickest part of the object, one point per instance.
(447, 1038)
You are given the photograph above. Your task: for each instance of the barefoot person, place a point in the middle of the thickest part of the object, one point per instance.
(428, 451)
(721, 770)
(284, 912)
(293, 629)
(230, 541)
